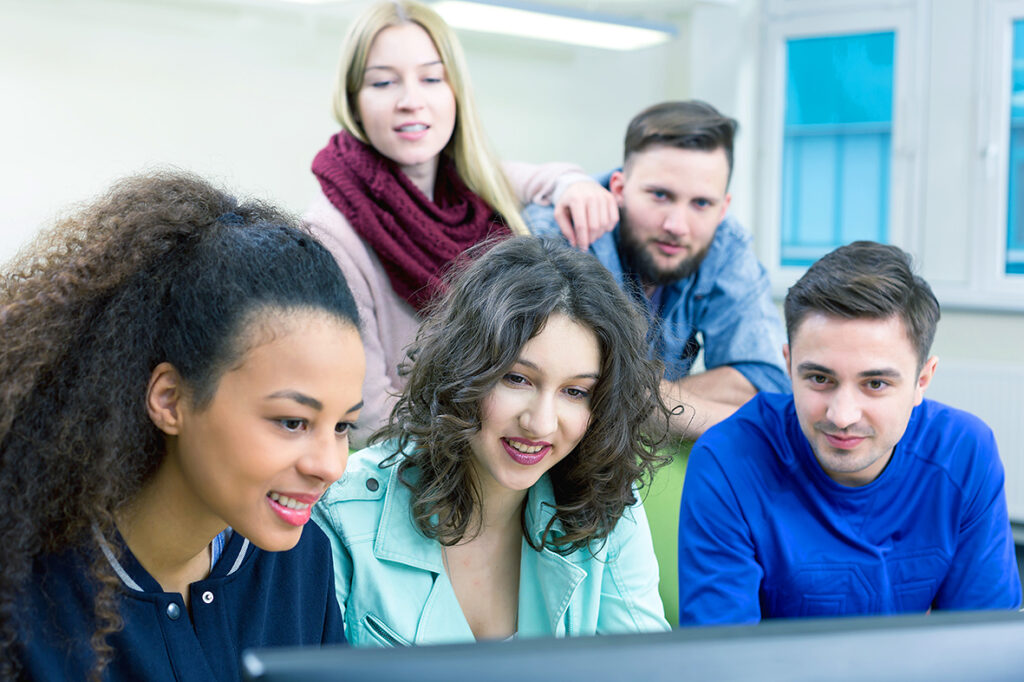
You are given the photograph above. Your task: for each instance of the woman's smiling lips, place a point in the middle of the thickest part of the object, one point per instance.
(414, 130)
(526, 452)
(293, 508)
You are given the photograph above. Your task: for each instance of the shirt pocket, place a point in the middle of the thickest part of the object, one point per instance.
(383, 634)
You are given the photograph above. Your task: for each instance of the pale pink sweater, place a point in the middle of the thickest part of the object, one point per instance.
(389, 323)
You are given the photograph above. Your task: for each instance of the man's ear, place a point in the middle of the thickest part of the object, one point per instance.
(785, 356)
(925, 378)
(725, 207)
(164, 398)
(616, 185)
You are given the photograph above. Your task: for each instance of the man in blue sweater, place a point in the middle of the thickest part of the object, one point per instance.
(853, 495)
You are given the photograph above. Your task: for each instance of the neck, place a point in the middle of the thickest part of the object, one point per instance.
(424, 176)
(167, 535)
(500, 508)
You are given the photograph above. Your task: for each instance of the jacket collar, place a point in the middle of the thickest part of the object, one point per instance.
(540, 507)
(553, 575)
(398, 537)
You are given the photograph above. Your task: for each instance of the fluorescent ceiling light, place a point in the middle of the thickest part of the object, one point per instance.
(555, 24)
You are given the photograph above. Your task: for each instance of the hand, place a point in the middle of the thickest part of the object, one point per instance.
(585, 212)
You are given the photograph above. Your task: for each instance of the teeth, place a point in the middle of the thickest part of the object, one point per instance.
(286, 501)
(525, 449)
(413, 128)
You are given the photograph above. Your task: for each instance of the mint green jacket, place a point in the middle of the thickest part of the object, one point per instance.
(393, 589)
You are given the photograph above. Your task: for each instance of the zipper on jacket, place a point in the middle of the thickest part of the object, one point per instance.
(382, 632)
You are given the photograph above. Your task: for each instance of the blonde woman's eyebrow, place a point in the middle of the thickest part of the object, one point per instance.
(386, 67)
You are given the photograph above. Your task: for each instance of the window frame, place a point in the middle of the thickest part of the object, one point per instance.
(990, 286)
(787, 19)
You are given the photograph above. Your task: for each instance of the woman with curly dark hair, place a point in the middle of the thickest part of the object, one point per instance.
(178, 372)
(501, 498)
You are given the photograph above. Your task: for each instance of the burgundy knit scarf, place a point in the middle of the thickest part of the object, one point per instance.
(414, 238)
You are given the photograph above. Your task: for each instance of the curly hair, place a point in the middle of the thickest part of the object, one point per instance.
(472, 337)
(164, 267)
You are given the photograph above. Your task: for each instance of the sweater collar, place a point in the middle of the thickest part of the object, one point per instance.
(136, 578)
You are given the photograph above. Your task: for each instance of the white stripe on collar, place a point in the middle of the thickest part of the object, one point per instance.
(240, 557)
(129, 581)
(114, 563)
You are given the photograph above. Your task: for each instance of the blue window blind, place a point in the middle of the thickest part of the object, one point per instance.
(1015, 218)
(837, 142)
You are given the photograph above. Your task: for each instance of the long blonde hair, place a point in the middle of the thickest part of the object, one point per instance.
(475, 162)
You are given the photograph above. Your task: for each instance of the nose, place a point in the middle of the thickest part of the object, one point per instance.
(843, 409)
(675, 222)
(325, 459)
(539, 418)
(411, 98)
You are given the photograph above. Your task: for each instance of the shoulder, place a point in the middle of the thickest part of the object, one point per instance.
(353, 504)
(333, 229)
(953, 439)
(326, 221)
(540, 219)
(731, 234)
(731, 254)
(747, 450)
(364, 477)
(760, 422)
(633, 522)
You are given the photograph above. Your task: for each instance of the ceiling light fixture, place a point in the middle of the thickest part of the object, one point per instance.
(561, 25)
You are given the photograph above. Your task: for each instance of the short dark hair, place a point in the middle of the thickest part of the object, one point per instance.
(692, 124)
(473, 336)
(866, 280)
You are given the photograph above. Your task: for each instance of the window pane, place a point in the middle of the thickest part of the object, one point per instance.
(838, 136)
(1015, 219)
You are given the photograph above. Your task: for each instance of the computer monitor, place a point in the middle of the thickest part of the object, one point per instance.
(940, 647)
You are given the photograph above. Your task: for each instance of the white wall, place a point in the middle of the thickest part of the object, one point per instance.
(240, 92)
(95, 89)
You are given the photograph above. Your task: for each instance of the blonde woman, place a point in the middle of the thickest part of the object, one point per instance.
(409, 183)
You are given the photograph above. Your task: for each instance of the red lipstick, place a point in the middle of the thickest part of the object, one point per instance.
(525, 458)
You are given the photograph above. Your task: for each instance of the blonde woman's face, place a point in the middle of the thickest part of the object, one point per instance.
(405, 105)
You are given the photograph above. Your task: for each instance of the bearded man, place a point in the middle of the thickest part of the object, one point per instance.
(692, 265)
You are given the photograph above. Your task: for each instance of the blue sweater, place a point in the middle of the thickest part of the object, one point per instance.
(764, 532)
(251, 598)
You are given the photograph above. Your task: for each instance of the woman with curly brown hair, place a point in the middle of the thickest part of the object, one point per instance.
(502, 498)
(178, 372)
